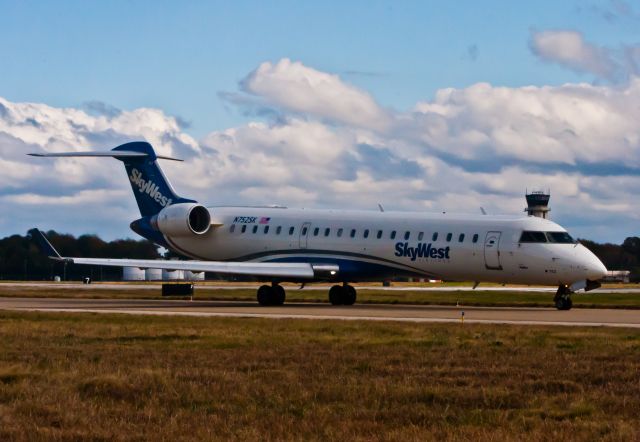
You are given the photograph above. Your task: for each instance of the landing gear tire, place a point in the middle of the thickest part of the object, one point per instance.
(564, 303)
(271, 295)
(563, 298)
(342, 295)
(335, 295)
(264, 295)
(279, 295)
(349, 295)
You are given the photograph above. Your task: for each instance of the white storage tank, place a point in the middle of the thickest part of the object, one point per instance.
(153, 275)
(172, 275)
(132, 274)
(193, 276)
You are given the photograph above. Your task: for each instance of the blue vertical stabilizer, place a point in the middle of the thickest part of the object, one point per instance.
(151, 188)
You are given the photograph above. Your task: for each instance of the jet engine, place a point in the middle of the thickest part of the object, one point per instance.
(182, 219)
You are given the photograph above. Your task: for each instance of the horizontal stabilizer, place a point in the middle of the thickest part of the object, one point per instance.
(113, 154)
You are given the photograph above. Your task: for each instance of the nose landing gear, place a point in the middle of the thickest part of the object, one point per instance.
(563, 298)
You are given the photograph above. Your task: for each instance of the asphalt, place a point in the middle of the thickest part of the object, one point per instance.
(314, 287)
(405, 313)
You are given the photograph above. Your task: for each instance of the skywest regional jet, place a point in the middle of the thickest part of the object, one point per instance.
(301, 245)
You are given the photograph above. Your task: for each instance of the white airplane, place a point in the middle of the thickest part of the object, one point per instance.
(342, 246)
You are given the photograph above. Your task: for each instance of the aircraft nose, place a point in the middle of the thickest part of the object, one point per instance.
(594, 268)
(597, 270)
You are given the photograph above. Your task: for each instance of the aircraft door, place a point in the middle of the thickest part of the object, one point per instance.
(492, 251)
(304, 235)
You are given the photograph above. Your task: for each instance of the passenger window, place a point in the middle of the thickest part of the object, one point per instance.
(449, 236)
(232, 228)
(406, 235)
(366, 233)
(379, 235)
(461, 237)
(393, 234)
(315, 231)
(278, 230)
(266, 229)
(244, 228)
(420, 236)
(353, 233)
(291, 230)
(475, 238)
(255, 229)
(304, 231)
(340, 232)
(435, 236)
(533, 237)
(327, 231)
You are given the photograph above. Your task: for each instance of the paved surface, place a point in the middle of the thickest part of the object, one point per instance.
(407, 313)
(314, 287)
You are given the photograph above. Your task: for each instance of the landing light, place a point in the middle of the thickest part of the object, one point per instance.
(333, 272)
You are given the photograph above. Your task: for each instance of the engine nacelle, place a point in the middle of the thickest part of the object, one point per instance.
(183, 219)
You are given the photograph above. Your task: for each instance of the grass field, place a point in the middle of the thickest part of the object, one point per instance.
(103, 377)
(478, 297)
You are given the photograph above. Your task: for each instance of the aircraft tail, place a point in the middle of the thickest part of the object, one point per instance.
(151, 188)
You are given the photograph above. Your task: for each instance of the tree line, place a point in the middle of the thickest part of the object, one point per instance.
(20, 258)
(625, 256)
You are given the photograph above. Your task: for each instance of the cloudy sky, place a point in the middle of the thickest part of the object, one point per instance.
(431, 106)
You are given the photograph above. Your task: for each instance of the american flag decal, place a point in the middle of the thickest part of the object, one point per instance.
(264, 220)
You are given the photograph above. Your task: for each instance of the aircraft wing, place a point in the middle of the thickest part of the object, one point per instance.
(290, 270)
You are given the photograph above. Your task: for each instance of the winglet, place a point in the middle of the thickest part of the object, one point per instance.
(44, 245)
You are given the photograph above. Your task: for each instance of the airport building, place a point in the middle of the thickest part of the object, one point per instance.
(617, 276)
(133, 274)
(538, 204)
(136, 274)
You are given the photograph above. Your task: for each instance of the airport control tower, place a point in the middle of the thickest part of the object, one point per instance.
(538, 204)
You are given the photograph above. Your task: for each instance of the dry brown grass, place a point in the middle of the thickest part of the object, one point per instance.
(104, 377)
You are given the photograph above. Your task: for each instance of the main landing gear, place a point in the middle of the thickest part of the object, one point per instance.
(274, 294)
(563, 298)
(342, 295)
(271, 294)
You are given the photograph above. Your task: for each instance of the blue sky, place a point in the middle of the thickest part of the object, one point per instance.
(227, 84)
(178, 55)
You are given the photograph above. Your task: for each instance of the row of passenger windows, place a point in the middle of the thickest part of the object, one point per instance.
(317, 231)
(543, 237)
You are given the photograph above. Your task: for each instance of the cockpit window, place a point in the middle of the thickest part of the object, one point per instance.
(531, 236)
(552, 237)
(560, 237)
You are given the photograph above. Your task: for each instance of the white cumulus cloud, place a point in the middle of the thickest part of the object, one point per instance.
(332, 145)
(565, 124)
(300, 88)
(569, 49)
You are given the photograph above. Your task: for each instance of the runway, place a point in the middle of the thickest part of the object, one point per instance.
(405, 313)
(314, 287)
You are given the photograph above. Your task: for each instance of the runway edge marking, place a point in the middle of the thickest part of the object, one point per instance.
(334, 317)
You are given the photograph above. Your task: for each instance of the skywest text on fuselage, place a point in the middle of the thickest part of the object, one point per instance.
(421, 251)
